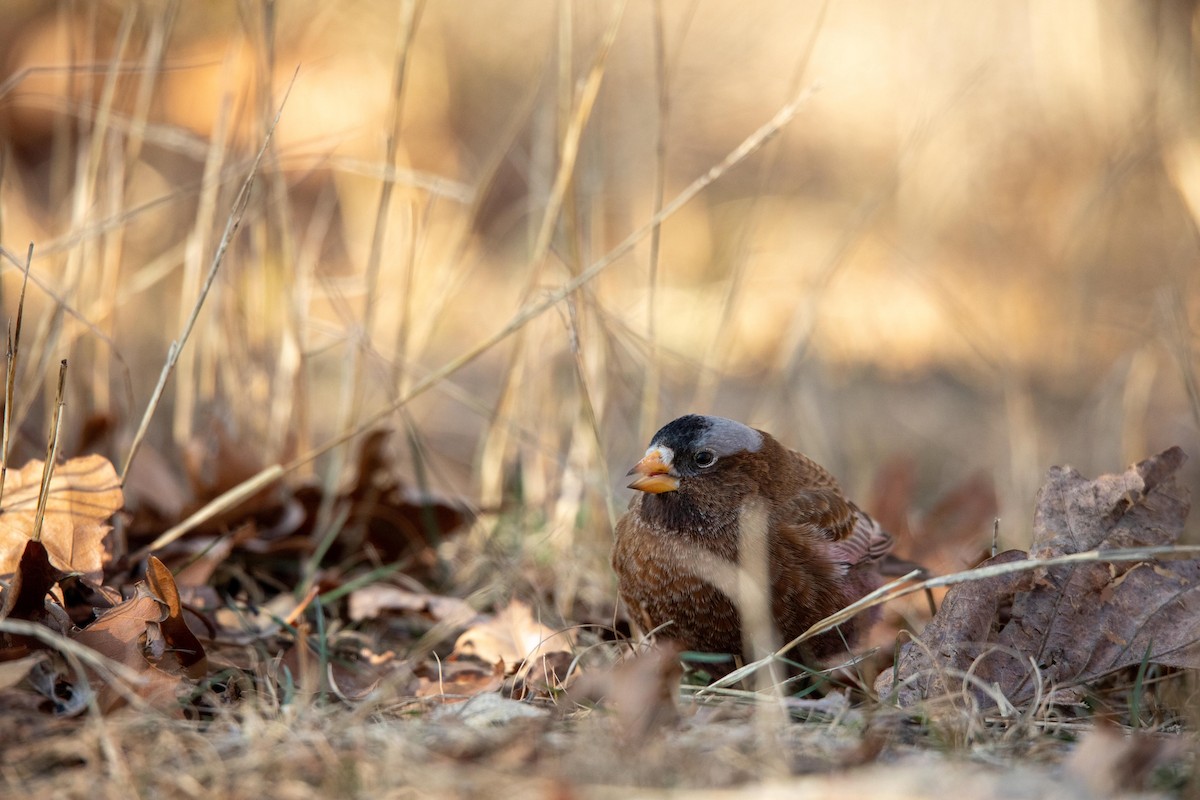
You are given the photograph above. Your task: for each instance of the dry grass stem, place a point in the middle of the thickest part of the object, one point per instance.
(51, 454)
(513, 241)
(907, 585)
(10, 374)
(232, 224)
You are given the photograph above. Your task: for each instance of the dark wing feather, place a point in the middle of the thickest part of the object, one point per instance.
(853, 536)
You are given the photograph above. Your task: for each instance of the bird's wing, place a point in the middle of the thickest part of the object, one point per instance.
(868, 541)
(852, 535)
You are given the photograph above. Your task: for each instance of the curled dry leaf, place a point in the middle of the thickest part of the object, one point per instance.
(84, 493)
(458, 679)
(377, 599)
(514, 638)
(147, 633)
(25, 596)
(129, 633)
(177, 635)
(1069, 624)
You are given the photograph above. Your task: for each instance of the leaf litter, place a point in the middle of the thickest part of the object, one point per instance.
(212, 620)
(1057, 628)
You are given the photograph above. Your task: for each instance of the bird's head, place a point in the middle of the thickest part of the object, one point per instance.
(692, 452)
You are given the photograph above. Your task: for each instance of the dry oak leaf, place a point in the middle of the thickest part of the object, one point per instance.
(458, 679)
(131, 634)
(175, 631)
(84, 493)
(514, 638)
(1071, 624)
(147, 633)
(378, 599)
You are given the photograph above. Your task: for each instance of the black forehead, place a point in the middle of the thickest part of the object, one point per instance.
(724, 437)
(683, 432)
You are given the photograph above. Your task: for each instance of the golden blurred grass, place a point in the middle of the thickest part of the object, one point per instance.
(974, 245)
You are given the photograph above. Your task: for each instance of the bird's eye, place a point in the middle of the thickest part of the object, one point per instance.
(705, 459)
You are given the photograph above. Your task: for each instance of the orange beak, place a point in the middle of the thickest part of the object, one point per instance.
(654, 476)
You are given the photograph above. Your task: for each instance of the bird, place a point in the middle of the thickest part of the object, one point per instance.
(695, 486)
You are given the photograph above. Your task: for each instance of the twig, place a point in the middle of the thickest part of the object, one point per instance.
(51, 454)
(275, 471)
(231, 226)
(556, 296)
(905, 586)
(218, 504)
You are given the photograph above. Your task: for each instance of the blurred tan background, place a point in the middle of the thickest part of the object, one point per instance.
(975, 245)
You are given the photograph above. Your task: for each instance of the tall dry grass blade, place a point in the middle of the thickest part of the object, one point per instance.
(191, 288)
(86, 270)
(569, 153)
(489, 171)
(1180, 342)
(104, 109)
(349, 410)
(653, 375)
(231, 226)
(51, 454)
(553, 298)
(496, 439)
(759, 632)
(42, 337)
(274, 472)
(151, 68)
(409, 16)
(591, 416)
(10, 375)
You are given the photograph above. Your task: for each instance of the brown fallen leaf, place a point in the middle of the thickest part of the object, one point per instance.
(84, 493)
(514, 638)
(387, 516)
(1069, 625)
(25, 595)
(459, 679)
(952, 534)
(948, 536)
(148, 634)
(960, 632)
(176, 633)
(377, 599)
(641, 691)
(383, 518)
(129, 634)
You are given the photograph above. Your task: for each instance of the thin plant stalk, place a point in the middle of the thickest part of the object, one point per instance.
(907, 585)
(231, 227)
(10, 376)
(51, 454)
(273, 472)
